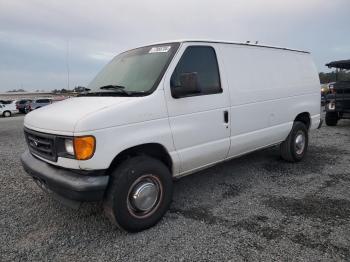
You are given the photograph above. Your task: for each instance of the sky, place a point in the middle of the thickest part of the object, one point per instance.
(40, 39)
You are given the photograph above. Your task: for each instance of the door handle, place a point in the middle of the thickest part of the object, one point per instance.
(226, 116)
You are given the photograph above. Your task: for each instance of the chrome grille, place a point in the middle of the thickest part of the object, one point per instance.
(41, 144)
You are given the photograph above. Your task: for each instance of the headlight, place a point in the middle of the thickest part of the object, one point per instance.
(80, 148)
(84, 147)
(69, 146)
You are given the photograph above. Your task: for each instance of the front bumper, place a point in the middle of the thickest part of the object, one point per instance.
(65, 183)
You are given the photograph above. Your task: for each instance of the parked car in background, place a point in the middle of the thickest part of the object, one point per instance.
(38, 103)
(21, 104)
(7, 110)
(338, 101)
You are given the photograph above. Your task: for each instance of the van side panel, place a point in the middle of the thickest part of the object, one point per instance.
(268, 89)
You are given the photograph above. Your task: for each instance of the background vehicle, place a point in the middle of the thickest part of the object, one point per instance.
(6, 110)
(338, 101)
(6, 101)
(21, 104)
(38, 103)
(325, 90)
(169, 110)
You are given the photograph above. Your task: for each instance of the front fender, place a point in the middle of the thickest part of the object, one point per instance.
(112, 141)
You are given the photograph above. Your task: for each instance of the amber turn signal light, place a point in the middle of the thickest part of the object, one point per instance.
(84, 147)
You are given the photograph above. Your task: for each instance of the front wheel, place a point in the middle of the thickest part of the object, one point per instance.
(139, 193)
(294, 148)
(7, 114)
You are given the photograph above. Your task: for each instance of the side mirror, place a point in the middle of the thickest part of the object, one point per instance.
(188, 85)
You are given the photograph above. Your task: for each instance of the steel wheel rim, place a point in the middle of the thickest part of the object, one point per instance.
(299, 142)
(6, 114)
(144, 196)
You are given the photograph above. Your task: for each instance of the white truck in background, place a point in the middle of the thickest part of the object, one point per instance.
(167, 110)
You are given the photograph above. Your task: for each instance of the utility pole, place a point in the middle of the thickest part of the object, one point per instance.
(67, 63)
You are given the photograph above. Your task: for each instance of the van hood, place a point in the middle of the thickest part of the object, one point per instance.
(63, 116)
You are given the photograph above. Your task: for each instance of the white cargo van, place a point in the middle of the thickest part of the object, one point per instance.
(167, 110)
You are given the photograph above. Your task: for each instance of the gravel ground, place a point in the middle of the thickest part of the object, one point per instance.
(256, 207)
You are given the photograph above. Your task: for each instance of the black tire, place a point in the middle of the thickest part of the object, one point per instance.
(332, 118)
(289, 148)
(6, 114)
(117, 204)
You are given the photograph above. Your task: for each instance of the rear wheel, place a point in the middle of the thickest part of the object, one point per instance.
(294, 148)
(332, 118)
(6, 114)
(139, 193)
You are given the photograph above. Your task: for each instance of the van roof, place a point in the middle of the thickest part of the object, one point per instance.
(232, 43)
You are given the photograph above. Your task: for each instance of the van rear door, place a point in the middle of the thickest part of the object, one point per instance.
(198, 106)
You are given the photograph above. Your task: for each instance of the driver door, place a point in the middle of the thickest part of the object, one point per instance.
(199, 111)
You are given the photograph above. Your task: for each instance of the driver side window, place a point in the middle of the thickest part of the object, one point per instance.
(197, 73)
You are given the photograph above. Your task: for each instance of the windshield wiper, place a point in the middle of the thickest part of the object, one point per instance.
(112, 90)
(115, 87)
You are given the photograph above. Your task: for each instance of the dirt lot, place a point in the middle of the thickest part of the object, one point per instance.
(256, 207)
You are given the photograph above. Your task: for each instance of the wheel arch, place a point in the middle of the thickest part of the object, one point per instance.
(154, 150)
(305, 118)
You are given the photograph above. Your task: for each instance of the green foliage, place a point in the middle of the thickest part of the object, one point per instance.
(343, 75)
(77, 89)
(16, 90)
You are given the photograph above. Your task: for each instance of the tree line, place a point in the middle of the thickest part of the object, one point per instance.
(333, 77)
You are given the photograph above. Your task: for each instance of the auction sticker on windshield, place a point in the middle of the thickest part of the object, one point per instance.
(160, 49)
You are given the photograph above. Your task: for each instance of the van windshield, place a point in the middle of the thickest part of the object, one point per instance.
(137, 71)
